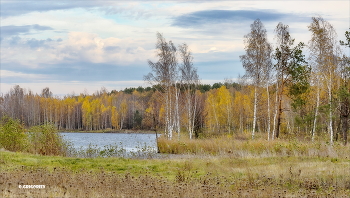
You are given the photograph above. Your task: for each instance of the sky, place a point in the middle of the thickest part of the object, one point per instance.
(76, 46)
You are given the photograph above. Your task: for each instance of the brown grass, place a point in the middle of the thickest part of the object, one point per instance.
(235, 146)
(244, 183)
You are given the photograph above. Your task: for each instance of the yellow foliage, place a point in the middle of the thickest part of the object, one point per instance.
(115, 118)
(219, 109)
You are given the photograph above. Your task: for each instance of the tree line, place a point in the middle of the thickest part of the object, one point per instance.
(282, 94)
(307, 89)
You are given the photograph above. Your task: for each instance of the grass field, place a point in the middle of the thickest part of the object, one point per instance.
(200, 175)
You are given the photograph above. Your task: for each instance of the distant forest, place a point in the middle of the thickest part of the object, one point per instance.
(132, 108)
(282, 94)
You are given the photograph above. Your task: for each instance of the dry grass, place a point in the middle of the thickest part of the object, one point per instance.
(63, 183)
(235, 146)
(210, 176)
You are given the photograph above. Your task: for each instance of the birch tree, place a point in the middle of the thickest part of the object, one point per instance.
(324, 56)
(190, 82)
(257, 56)
(267, 74)
(165, 76)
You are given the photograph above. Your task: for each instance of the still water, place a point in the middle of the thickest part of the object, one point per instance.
(129, 142)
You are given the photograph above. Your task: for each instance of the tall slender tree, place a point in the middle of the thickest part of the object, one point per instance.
(324, 53)
(190, 82)
(165, 76)
(344, 90)
(256, 59)
(290, 67)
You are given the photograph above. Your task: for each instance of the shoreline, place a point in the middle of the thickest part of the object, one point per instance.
(127, 131)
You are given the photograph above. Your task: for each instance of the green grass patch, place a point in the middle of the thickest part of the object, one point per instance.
(164, 167)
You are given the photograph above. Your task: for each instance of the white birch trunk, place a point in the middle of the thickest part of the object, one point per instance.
(316, 112)
(189, 114)
(330, 125)
(254, 116)
(177, 115)
(268, 111)
(193, 115)
(191, 111)
(275, 114)
(169, 122)
(228, 118)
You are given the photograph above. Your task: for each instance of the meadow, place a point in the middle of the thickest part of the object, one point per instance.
(216, 167)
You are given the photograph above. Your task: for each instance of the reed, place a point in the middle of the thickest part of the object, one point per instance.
(233, 146)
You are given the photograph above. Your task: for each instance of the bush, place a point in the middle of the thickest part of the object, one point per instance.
(12, 136)
(45, 140)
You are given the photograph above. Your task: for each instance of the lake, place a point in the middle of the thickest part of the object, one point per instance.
(112, 144)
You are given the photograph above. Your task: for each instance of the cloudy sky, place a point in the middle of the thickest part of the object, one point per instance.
(72, 46)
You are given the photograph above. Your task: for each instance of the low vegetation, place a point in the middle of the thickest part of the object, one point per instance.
(235, 146)
(12, 136)
(197, 176)
(43, 139)
(113, 150)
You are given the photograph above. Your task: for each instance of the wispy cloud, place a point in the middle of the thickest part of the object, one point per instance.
(199, 18)
(15, 75)
(12, 30)
(79, 47)
(20, 7)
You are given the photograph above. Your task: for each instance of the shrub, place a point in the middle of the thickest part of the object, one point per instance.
(12, 136)
(45, 140)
